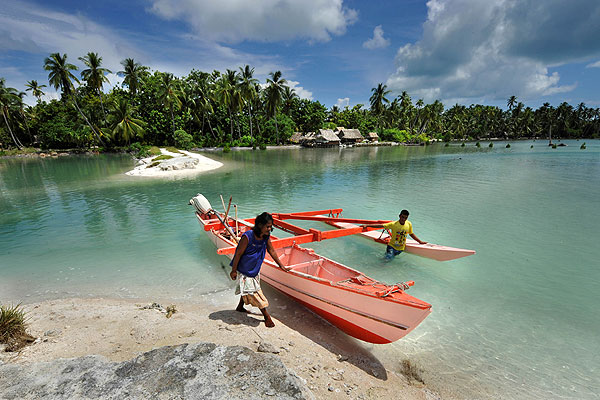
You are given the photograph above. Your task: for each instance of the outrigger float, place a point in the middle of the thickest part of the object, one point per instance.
(362, 307)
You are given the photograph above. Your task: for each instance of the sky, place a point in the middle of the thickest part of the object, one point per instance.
(333, 51)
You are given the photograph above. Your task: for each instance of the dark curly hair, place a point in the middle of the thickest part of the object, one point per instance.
(260, 221)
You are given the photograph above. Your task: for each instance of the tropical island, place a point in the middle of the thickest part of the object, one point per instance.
(233, 109)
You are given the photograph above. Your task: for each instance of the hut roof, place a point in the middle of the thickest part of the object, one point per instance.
(350, 134)
(373, 135)
(297, 137)
(327, 135)
(339, 128)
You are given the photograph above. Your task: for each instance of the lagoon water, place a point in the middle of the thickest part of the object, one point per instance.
(519, 319)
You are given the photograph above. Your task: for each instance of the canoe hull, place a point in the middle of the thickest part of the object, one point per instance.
(428, 250)
(333, 291)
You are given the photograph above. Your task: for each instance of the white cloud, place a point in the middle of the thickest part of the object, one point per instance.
(265, 20)
(341, 103)
(593, 65)
(377, 41)
(25, 27)
(494, 49)
(299, 90)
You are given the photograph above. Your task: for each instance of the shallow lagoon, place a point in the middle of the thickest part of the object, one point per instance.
(517, 320)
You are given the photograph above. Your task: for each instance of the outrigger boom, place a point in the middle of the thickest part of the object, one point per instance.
(302, 235)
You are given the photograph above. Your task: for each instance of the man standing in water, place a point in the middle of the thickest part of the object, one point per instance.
(398, 232)
(249, 256)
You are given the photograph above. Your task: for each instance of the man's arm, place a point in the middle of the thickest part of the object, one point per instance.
(274, 255)
(417, 239)
(240, 249)
(372, 226)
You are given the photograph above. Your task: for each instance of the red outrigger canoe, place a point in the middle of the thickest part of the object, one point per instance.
(362, 307)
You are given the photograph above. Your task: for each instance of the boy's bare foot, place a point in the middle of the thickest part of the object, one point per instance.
(269, 323)
(242, 309)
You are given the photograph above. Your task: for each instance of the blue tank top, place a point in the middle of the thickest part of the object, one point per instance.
(253, 257)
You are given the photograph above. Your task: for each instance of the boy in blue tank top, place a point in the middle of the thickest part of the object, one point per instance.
(247, 261)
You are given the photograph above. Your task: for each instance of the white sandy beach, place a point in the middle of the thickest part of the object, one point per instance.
(184, 163)
(333, 365)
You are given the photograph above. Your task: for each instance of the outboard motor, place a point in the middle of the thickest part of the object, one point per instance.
(201, 204)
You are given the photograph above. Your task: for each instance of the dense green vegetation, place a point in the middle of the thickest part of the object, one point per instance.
(233, 109)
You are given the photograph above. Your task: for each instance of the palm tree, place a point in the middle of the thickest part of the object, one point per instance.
(169, 94)
(227, 93)
(275, 90)
(9, 100)
(248, 91)
(511, 102)
(60, 76)
(132, 71)
(122, 123)
(288, 97)
(36, 90)
(95, 75)
(378, 99)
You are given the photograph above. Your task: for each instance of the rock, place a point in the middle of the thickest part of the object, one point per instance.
(265, 347)
(53, 332)
(197, 371)
(178, 163)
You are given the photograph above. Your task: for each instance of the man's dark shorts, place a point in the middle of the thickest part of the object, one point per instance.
(391, 252)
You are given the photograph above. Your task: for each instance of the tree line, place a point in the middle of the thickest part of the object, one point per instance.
(232, 108)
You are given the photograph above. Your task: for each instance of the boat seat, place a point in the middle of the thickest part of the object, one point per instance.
(308, 265)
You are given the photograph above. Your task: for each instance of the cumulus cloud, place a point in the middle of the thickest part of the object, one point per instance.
(494, 49)
(299, 90)
(268, 20)
(341, 103)
(377, 41)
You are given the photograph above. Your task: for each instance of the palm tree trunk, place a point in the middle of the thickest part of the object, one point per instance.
(251, 139)
(172, 120)
(87, 121)
(17, 143)
(230, 125)
(102, 105)
(276, 130)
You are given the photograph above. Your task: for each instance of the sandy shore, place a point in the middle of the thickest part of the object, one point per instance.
(198, 164)
(333, 364)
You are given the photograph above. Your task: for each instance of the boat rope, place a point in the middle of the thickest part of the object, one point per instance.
(400, 286)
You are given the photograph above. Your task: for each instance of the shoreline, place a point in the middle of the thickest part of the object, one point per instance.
(332, 364)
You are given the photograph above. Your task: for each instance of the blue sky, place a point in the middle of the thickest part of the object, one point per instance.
(334, 51)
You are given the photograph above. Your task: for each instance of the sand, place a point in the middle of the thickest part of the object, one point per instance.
(332, 364)
(204, 164)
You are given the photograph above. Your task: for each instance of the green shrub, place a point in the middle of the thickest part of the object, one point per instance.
(477, 144)
(162, 157)
(463, 144)
(226, 148)
(262, 146)
(508, 145)
(447, 144)
(13, 326)
(183, 140)
(491, 145)
(173, 150)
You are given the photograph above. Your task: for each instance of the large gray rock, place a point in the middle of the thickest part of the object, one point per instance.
(198, 371)
(178, 163)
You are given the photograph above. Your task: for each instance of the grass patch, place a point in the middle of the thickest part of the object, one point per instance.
(173, 150)
(16, 152)
(154, 164)
(411, 371)
(13, 326)
(162, 157)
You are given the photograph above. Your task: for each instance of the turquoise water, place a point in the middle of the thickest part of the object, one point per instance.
(519, 319)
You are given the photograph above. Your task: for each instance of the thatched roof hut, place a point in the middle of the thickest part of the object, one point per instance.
(372, 136)
(350, 136)
(327, 137)
(297, 137)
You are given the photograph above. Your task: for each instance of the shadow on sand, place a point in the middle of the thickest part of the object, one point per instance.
(321, 332)
(232, 317)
